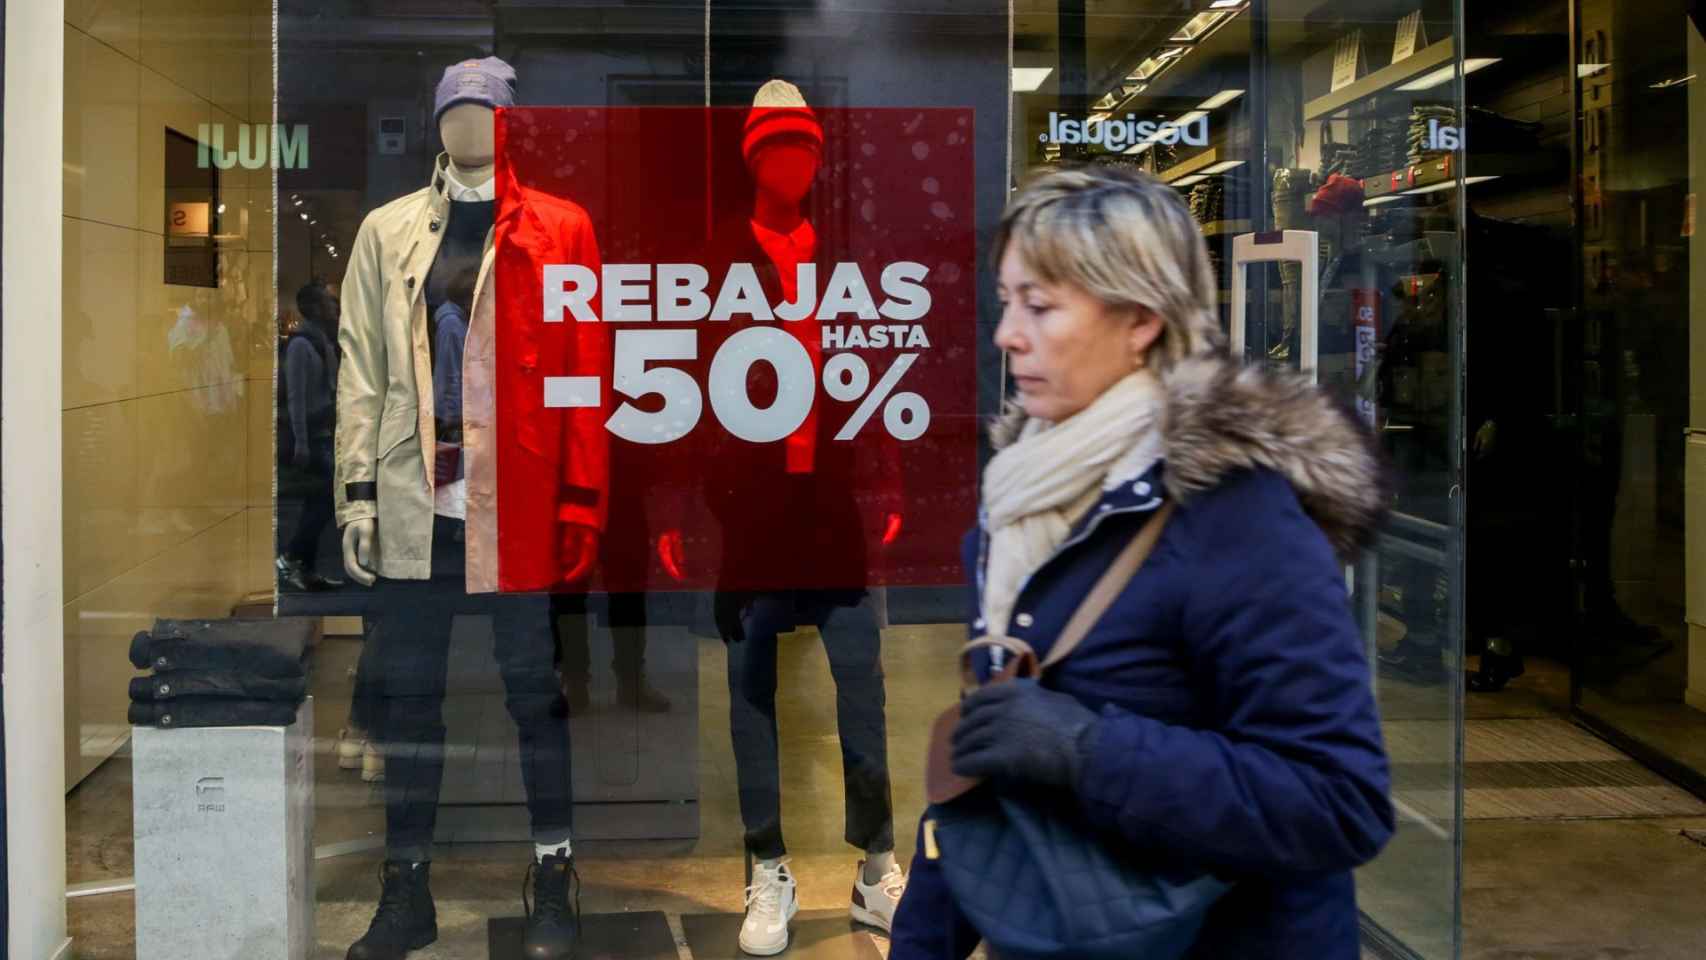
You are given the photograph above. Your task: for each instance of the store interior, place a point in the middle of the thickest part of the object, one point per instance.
(1521, 347)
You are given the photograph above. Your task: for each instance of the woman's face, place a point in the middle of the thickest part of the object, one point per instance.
(1064, 347)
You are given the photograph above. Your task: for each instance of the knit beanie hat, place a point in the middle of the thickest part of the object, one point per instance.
(778, 109)
(489, 81)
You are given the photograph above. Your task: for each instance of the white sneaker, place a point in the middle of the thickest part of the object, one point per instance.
(874, 903)
(350, 744)
(372, 763)
(771, 903)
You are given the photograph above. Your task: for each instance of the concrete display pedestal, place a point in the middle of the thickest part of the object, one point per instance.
(224, 841)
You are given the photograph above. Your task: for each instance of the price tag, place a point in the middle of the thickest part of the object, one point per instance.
(1410, 37)
(1347, 60)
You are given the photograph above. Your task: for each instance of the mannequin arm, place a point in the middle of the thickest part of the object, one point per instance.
(584, 497)
(361, 384)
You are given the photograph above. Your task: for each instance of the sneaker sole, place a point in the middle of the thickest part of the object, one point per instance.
(869, 919)
(771, 951)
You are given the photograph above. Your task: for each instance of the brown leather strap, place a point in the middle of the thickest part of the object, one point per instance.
(1113, 580)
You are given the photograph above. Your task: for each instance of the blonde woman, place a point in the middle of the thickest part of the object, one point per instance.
(1218, 718)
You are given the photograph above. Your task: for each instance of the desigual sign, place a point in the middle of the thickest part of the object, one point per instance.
(1115, 135)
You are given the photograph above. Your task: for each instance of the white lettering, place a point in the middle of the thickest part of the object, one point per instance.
(626, 298)
(741, 293)
(847, 293)
(805, 294)
(903, 286)
(569, 286)
(681, 292)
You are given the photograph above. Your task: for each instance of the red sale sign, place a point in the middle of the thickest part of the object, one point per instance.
(747, 338)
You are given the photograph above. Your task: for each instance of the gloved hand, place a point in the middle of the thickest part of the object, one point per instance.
(1020, 731)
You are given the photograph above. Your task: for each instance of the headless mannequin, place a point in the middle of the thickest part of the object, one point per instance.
(467, 130)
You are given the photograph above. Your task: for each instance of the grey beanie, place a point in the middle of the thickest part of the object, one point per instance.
(489, 81)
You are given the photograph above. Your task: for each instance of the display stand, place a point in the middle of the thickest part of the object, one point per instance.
(816, 935)
(604, 936)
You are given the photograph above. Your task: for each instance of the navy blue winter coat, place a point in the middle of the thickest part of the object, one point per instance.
(1237, 733)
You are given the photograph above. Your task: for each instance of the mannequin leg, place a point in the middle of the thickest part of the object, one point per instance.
(752, 723)
(853, 642)
(411, 634)
(522, 644)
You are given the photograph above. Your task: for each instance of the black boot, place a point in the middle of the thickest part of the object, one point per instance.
(406, 919)
(554, 917)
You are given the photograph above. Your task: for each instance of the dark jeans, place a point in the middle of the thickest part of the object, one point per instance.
(317, 510)
(854, 643)
(411, 634)
(627, 620)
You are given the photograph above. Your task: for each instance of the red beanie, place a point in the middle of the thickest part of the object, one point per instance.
(777, 110)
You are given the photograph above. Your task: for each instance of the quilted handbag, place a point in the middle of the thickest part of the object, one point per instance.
(1022, 866)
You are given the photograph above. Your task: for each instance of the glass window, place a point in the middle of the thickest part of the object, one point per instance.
(594, 396)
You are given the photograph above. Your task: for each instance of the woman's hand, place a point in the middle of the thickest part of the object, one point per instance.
(1020, 731)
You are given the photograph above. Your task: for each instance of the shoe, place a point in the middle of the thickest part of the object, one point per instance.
(637, 694)
(372, 763)
(1495, 671)
(771, 903)
(351, 745)
(554, 916)
(874, 903)
(406, 919)
(296, 576)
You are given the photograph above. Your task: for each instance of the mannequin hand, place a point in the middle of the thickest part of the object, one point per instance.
(672, 554)
(1020, 731)
(891, 529)
(358, 550)
(579, 552)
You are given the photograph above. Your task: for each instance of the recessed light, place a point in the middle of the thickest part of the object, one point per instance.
(1224, 4)
(1223, 166)
(1220, 99)
(1138, 148)
(1447, 73)
(1028, 79)
(1585, 70)
(1191, 180)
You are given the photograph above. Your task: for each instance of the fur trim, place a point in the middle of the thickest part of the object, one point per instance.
(1223, 417)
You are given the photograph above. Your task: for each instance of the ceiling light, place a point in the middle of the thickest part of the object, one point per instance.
(1199, 26)
(1138, 148)
(1028, 79)
(1190, 118)
(1220, 99)
(1585, 70)
(303, 215)
(1377, 201)
(1108, 102)
(1133, 89)
(1194, 178)
(1170, 52)
(1447, 73)
(1667, 84)
(1098, 117)
(1224, 4)
(1223, 166)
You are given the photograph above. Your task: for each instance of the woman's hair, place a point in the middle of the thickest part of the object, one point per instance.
(1126, 239)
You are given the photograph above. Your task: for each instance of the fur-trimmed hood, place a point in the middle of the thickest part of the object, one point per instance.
(1223, 417)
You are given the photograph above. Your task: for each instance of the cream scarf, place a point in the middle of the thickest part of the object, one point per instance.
(1037, 488)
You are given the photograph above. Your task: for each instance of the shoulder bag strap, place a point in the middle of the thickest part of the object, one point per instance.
(1115, 579)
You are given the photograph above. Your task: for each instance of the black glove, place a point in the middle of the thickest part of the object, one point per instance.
(1020, 731)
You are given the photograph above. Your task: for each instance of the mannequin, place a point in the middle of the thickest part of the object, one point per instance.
(417, 446)
(810, 528)
(466, 130)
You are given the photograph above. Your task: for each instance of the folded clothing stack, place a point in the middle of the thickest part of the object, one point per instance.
(1425, 120)
(1208, 200)
(220, 673)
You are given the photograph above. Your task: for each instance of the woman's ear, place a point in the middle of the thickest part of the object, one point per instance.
(1146, 329)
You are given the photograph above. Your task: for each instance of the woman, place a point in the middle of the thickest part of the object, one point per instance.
(1219, 717)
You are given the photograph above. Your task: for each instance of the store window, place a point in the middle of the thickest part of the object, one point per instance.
(463, 384)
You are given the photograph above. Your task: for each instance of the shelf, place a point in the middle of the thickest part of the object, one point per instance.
(1217, 227)
(1441, 170)
(1429, 58)
(1185, 168)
